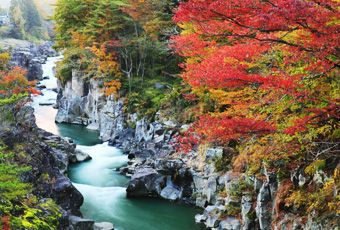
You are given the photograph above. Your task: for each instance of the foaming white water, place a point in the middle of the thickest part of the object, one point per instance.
(101, 185)
(104, 201)
(101, 194)
(48, 71)
(100, 150)
(100, 171)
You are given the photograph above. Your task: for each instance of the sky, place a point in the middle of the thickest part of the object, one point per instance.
(5, 3)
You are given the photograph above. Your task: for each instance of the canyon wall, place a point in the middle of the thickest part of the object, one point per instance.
(204, 178)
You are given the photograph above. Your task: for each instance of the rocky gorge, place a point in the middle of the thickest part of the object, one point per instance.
(230, 200)
(48, 155)
(29, 55)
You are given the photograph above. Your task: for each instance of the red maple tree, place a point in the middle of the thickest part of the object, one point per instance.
(275, 48)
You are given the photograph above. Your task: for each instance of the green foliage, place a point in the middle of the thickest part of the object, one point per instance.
(222, 164)
(315, 166)
(12, 99)
(75, 58)
(106, 39)
(322, 200)
(96, 21)
(240, 187)
(26, 21)
(24, 210)
(10, 185)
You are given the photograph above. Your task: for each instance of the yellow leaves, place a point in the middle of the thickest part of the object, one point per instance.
(296, 199)
(4, 59)
(315, 166)
(105, 63)
(112, 87)
(187, 28)
(80, 40)
(227, 97)
(323, 200)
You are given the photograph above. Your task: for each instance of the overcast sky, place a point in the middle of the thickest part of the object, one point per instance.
(5, 3)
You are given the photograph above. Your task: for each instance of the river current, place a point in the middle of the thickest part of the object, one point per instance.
(103, 188)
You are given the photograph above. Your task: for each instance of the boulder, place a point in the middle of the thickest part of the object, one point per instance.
(213, 153)
(145, 182)
(66, 195)
(78, 223)
(79, 156)
(230, 223)
(200, 218)
(171, 191)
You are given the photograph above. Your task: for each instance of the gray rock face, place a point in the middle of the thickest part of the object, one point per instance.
(72, 102)
(262, 212)
(213, 153)
(78, 223)
(211, 216)
(79, 156)
(171, 191)
(31, 57)
(246, 208)
(81, 102)
(265, 201)
(211, 190)
(230, 224)
(46, 155)
(145, 182)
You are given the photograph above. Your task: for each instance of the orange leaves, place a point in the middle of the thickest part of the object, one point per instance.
(112, 87)
(15, 82)
(4, 59)
(80, 40)
(105, 62)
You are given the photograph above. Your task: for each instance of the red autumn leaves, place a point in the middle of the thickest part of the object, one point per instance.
(14, 82)
(225, 45)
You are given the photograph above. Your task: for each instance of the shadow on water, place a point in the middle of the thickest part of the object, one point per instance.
(79, 134)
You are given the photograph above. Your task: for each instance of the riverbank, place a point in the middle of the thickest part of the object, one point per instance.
(102, 186)
(203, 178)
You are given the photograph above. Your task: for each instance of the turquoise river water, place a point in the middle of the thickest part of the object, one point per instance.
(103, 188)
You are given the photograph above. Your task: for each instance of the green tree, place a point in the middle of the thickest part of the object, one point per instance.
(26, 20)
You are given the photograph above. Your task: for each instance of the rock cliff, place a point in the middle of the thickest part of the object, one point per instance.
(230, 200)
(29, 56)
(48, 157)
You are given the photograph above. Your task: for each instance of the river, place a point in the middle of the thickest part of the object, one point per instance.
(103, 188)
